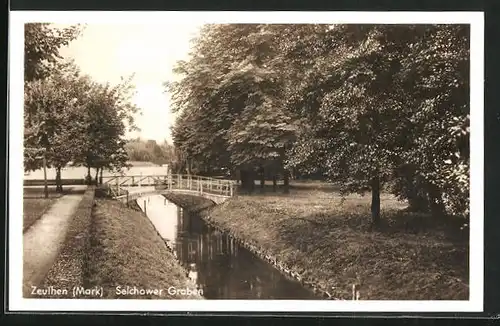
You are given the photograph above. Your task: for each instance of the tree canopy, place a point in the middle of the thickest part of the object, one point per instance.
(68, 117)
(42, 43)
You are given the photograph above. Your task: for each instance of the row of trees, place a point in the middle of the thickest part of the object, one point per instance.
(68, 117)
(367, 106)
(165, 153)
(150, 151)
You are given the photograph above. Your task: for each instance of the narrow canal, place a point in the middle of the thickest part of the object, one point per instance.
(222, 268)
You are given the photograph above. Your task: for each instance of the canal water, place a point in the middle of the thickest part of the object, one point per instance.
(220, 267)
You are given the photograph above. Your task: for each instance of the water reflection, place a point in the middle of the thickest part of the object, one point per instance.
(222, 268)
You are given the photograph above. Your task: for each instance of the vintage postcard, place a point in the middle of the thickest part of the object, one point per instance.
(279, 161)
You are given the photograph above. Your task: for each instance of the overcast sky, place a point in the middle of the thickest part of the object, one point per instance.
(107, 52)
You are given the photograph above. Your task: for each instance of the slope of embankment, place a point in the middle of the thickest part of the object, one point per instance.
(126, 251)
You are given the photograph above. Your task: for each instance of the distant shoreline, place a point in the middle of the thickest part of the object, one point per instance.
(79, 172)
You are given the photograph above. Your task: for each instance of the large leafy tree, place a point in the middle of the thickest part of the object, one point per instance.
(52, 117)
(70, 118)
(378, 102)
(436, 71)
(231, 102)
(107, 116)
(207, 110)
(368, 106)
(347, 120)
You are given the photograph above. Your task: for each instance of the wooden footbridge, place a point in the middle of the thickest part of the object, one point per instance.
(130, 187)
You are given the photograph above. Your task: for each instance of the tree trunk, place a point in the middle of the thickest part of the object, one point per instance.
(435, 201)
(251, 180)
(188, 166)
(59, 187)
(89, 177)
(275, 183)
(97, 176)
(45, 184)
(417, 201)
(100, 177)
(243, 178)
(237, 176)
(418, 204)
(262, 178)
(375, 185)
(286, 181)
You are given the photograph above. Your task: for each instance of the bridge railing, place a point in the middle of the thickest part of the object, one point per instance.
(132, 180)
(200, 184)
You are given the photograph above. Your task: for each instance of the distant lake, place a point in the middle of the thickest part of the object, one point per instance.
(80, 172)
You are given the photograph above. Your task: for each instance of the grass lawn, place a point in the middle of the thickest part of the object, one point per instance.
(126, 250)
(330, 242)
(33, 209)
(35, 205)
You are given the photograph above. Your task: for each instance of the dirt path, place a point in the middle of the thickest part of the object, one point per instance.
(42, 241)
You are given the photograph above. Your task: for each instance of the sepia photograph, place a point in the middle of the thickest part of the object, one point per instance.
(301, 164)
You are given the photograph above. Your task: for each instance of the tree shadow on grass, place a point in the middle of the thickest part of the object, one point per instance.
(400, 222)
(295, 190)
(394, 223)
(344, 249)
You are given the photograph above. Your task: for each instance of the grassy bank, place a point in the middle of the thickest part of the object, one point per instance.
(329, 242)
(69, 269)
(125, 250)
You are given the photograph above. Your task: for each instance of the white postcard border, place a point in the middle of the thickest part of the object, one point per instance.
(16, 66)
